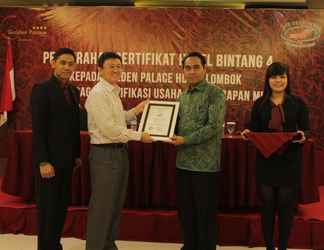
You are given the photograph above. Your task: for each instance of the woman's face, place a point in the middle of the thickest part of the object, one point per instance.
(278, 83)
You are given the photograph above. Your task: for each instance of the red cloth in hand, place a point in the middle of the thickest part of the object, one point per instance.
(269, 143)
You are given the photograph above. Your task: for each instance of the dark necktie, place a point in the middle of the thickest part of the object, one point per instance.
(67, 94)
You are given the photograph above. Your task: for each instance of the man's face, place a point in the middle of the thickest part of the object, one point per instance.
(111, 70)
(194, 71)
(63, 66)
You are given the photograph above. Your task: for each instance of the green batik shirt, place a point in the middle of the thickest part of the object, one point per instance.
(200, 122)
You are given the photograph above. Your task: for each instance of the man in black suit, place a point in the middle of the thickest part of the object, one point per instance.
(56, 146)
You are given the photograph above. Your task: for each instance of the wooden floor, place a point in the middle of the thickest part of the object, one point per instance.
(24, 242)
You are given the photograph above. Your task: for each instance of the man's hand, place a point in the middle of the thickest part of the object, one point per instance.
(302, 137)
(244, 133)
(146, 138)
(177, 140)
(77, 163)
(140, 107)
(46, 170)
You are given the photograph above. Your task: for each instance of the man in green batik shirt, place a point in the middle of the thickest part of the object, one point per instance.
(198, 140)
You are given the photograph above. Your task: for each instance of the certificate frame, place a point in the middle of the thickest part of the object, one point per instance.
(155, 112)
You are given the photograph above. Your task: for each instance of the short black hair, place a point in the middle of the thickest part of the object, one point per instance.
(62, 51)
(106, 56)
(194, 54)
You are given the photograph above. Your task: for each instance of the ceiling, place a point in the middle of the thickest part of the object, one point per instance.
(311, 4)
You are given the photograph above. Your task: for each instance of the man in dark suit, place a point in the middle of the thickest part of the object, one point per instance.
(56, 146)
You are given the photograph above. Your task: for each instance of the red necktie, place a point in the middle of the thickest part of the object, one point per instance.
(67, 95)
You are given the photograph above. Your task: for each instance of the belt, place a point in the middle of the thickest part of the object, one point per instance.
(110, 145)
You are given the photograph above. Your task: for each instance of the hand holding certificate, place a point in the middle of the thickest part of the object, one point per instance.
(159, 119)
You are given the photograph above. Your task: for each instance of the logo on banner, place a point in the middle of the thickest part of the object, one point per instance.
(20, 31)
(301, 34)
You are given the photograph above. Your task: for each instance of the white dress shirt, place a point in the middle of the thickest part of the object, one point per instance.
(107, 117)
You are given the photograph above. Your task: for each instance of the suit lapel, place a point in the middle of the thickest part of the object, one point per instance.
(60, 98)
(73, 95)
(57, 93)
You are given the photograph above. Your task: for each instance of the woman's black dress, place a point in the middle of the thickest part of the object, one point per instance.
(283, 168)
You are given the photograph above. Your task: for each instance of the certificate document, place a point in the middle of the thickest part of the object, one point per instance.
(159, 119)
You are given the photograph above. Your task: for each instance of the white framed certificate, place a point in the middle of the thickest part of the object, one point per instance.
(159, 119)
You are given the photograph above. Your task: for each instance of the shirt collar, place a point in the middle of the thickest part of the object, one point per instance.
(199, 87)
(108, 86)
(61, 84)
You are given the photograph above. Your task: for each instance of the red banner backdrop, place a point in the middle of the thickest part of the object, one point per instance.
(239, 44)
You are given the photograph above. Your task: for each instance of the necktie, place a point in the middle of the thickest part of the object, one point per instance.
(67, 94)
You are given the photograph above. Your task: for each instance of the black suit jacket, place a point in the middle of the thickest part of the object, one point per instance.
(55, 124)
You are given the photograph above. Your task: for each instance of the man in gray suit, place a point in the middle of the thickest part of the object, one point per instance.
(108, 156)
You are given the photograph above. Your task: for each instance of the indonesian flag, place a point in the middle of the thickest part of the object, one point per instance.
(7, 94)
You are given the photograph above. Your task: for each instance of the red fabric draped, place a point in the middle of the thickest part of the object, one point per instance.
(269, 143)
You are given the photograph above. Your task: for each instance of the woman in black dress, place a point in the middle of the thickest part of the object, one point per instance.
(278, 176)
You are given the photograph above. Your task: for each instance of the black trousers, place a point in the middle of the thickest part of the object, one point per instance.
(197, 207)
(52, 197)
(283, 199)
